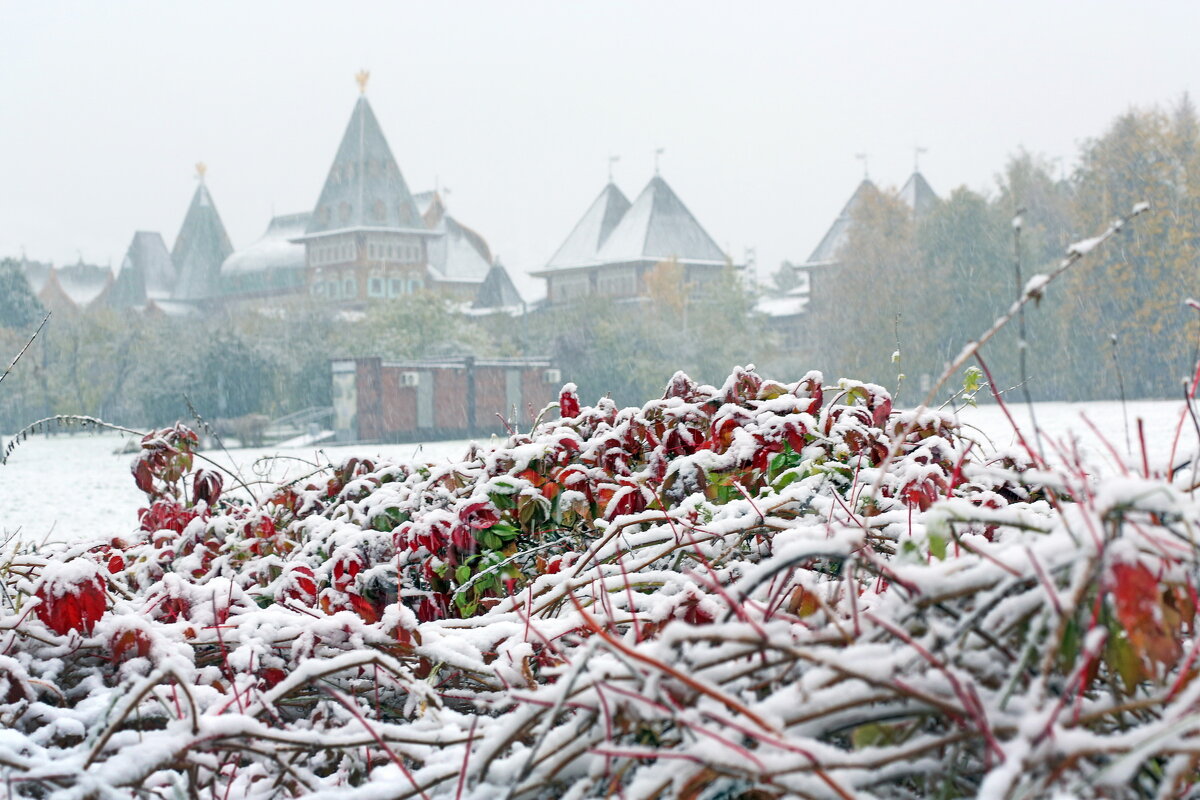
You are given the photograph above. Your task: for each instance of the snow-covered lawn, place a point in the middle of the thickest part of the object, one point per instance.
(71, 487)
(68, 487)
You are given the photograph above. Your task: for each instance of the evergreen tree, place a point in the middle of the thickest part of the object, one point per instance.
(19, 308)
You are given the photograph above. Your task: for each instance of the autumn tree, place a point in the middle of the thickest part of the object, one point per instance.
(1135, 289)
(873, 301)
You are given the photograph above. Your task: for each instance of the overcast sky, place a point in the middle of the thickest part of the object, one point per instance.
(761, 107)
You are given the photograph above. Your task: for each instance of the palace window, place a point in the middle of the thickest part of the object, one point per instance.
(375, 287)
(350, 288)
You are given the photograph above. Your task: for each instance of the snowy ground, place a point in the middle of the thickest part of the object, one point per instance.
(69, 487)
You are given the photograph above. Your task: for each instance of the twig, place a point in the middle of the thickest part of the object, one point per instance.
(45, 319)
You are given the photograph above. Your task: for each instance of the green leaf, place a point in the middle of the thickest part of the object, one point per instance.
(489, 540)
(462, 574)
(502, 501)
(937, 546)
(873, 734)
(972, 379)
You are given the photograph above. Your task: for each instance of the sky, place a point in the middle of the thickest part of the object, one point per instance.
(515, 107)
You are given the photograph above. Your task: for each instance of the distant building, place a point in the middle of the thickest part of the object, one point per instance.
(498, 294)
(787, 307)
(200, 249)
(147, 273)
(378, 400)
(69, 289)
(368, 239)
(272, 266)
(616, 244)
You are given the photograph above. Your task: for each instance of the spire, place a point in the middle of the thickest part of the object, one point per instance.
(200, 248)
(865, 158)
(917, 152)
(362, 77)
(364, 188)
(201, 168)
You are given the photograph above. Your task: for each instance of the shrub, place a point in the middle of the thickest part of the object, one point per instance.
(761, 590)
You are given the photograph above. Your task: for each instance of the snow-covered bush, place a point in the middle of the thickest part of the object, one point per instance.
(761, 590)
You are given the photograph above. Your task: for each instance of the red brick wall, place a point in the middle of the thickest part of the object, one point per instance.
(399, 405)
(489, 398)
(537, 394)
(370, 421)
(388, 411)
(450, 399)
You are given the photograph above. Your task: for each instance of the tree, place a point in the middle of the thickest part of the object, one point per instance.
(19, 307)
(875, 295)
(1136, 289)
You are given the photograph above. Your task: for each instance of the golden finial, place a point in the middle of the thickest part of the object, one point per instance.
(362, 77)
(201, 168)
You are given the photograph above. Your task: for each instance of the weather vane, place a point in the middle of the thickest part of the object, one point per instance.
(612, 160)
(362, 77)
(917, 151)
(201, 168)
(658, 152)
(863, 157)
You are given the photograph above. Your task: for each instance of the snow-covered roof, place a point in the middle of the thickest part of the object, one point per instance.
(918, 194)
(659, 226)
(789, 304)
(201, 248)
(37, 273)
(458, 253)
(146, 272)
(839, 231)
(83, 283)
(430, 206)
(589, 234)
(497, 291)
(364, 188)
(276, 249)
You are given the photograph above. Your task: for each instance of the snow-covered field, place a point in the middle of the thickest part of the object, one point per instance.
(69, 487)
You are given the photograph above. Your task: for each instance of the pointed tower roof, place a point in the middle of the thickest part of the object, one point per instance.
(659, 226)
(919, 195)
(593, 229)
(839, 231)
(200, 248)
(146, 271)
(364, 188)
(497, 290)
